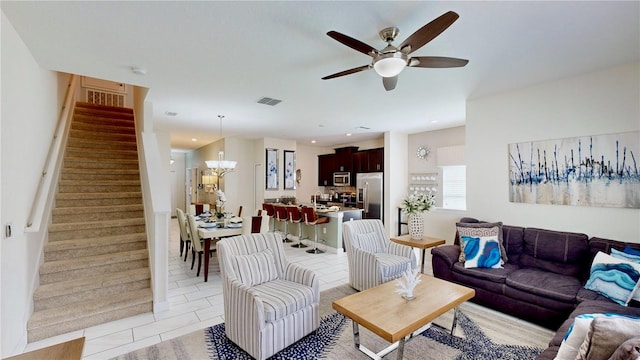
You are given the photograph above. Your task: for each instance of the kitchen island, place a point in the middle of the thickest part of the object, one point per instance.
(329, 234)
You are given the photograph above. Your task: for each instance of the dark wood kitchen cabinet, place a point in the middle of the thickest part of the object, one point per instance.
(376, 160)
(327, 165)
(344, 158)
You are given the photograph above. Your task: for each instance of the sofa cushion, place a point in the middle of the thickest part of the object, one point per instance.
(614, 278)
(555, 251)
(392, 266)
(481, 230)
(513, 242)
(493, 275)
(546, 284)
(283, 297)
(482, 252)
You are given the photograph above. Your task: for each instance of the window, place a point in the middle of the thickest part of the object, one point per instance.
(454, 187)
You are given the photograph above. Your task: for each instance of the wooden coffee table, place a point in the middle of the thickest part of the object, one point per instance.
(385, 313)
(424, 243)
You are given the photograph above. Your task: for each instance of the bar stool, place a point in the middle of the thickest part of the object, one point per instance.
(311, 219)
(282, 216)
(271, 213)
(296, 218)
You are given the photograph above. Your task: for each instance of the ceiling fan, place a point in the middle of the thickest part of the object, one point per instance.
(390, 61)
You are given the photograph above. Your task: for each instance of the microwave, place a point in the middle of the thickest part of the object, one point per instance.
(342, 179)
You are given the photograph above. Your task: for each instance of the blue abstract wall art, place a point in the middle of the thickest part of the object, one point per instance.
(599, 170)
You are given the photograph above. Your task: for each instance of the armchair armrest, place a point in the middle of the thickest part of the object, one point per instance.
(402, 250)
(247, 308)
(449, 254)
(304, 276)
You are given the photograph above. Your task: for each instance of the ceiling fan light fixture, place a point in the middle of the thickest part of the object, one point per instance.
(391, 64)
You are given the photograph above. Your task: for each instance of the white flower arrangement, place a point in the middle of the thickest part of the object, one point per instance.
(407, 283)
(417, 203)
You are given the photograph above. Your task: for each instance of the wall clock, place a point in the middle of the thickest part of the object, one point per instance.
(423, 152)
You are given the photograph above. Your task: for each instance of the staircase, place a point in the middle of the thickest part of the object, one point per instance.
(96, 266)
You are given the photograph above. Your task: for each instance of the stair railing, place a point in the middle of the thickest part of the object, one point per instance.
(53, 162)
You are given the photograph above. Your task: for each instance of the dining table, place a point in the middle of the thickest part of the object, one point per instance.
(208, 234)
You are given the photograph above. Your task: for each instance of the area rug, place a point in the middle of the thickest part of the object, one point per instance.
(481, 334)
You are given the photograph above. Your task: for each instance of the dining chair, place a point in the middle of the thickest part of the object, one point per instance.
(197, 244)
(268, 208)
(251, 224)
(206, 207)
(192, 210)
(296, 218)
(240, 211)
(185, 236)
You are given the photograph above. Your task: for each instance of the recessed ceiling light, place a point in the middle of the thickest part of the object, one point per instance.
(434, 121)
(194, 139)
(320, 125)
(313, 141)
(348, 134)
(171, 113)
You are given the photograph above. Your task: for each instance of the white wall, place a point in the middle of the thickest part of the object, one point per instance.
(307, 162)
(438, 222)
(281, 145)
(395, 178)
(30, 107)
(602, 102)
(177, 171)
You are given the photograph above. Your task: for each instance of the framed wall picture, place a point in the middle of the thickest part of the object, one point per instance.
(289, 170)
(597, 170)
(271, 169)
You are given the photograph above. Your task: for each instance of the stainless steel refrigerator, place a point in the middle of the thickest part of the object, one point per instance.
(369, 191)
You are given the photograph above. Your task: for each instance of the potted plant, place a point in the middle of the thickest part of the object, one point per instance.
(414, 205)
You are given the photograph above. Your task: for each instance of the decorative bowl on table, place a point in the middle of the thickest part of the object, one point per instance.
(234, 225)
(208, 225)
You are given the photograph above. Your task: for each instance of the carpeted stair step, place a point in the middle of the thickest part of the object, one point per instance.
(73, 291)
(85, 120)
(99, 154)
(92, 174)
(81, 163)
(105, 112)
(97, 199)
(70, 186)
(101, 136)
(92, 266)
(92, 229)
(109, 127)
(92, 246)
(51, 322)
(89, 144)
(95, 213)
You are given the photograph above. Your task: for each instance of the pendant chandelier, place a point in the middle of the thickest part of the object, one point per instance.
(221, 166)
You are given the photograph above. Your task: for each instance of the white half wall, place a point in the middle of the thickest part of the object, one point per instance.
(602, 102)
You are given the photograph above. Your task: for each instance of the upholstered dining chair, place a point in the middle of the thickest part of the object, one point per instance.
(269, 303)
(373, 259)
(268, 208)
(252, 224)
(197, 244)
(185, 237)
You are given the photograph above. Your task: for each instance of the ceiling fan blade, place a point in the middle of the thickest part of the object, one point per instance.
(347, 72)
(390, 82)
(428, 32)
(353, 43)
(436, 62)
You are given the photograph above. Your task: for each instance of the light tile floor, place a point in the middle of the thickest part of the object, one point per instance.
(194, 305)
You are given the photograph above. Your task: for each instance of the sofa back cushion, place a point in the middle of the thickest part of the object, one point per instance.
(513, 241)
(556, 251)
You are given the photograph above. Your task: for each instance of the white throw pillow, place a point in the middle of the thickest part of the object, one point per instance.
(257, 268)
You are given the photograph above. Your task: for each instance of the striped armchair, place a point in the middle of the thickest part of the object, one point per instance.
(373, 259)
(269, 303)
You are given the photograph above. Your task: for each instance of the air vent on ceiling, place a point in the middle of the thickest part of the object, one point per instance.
(269, 101)
(363, 128)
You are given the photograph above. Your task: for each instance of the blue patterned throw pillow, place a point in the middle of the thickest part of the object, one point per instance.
(614, 278)
(481, 252)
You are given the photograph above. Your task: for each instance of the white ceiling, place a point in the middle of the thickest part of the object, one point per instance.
(209, 58)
